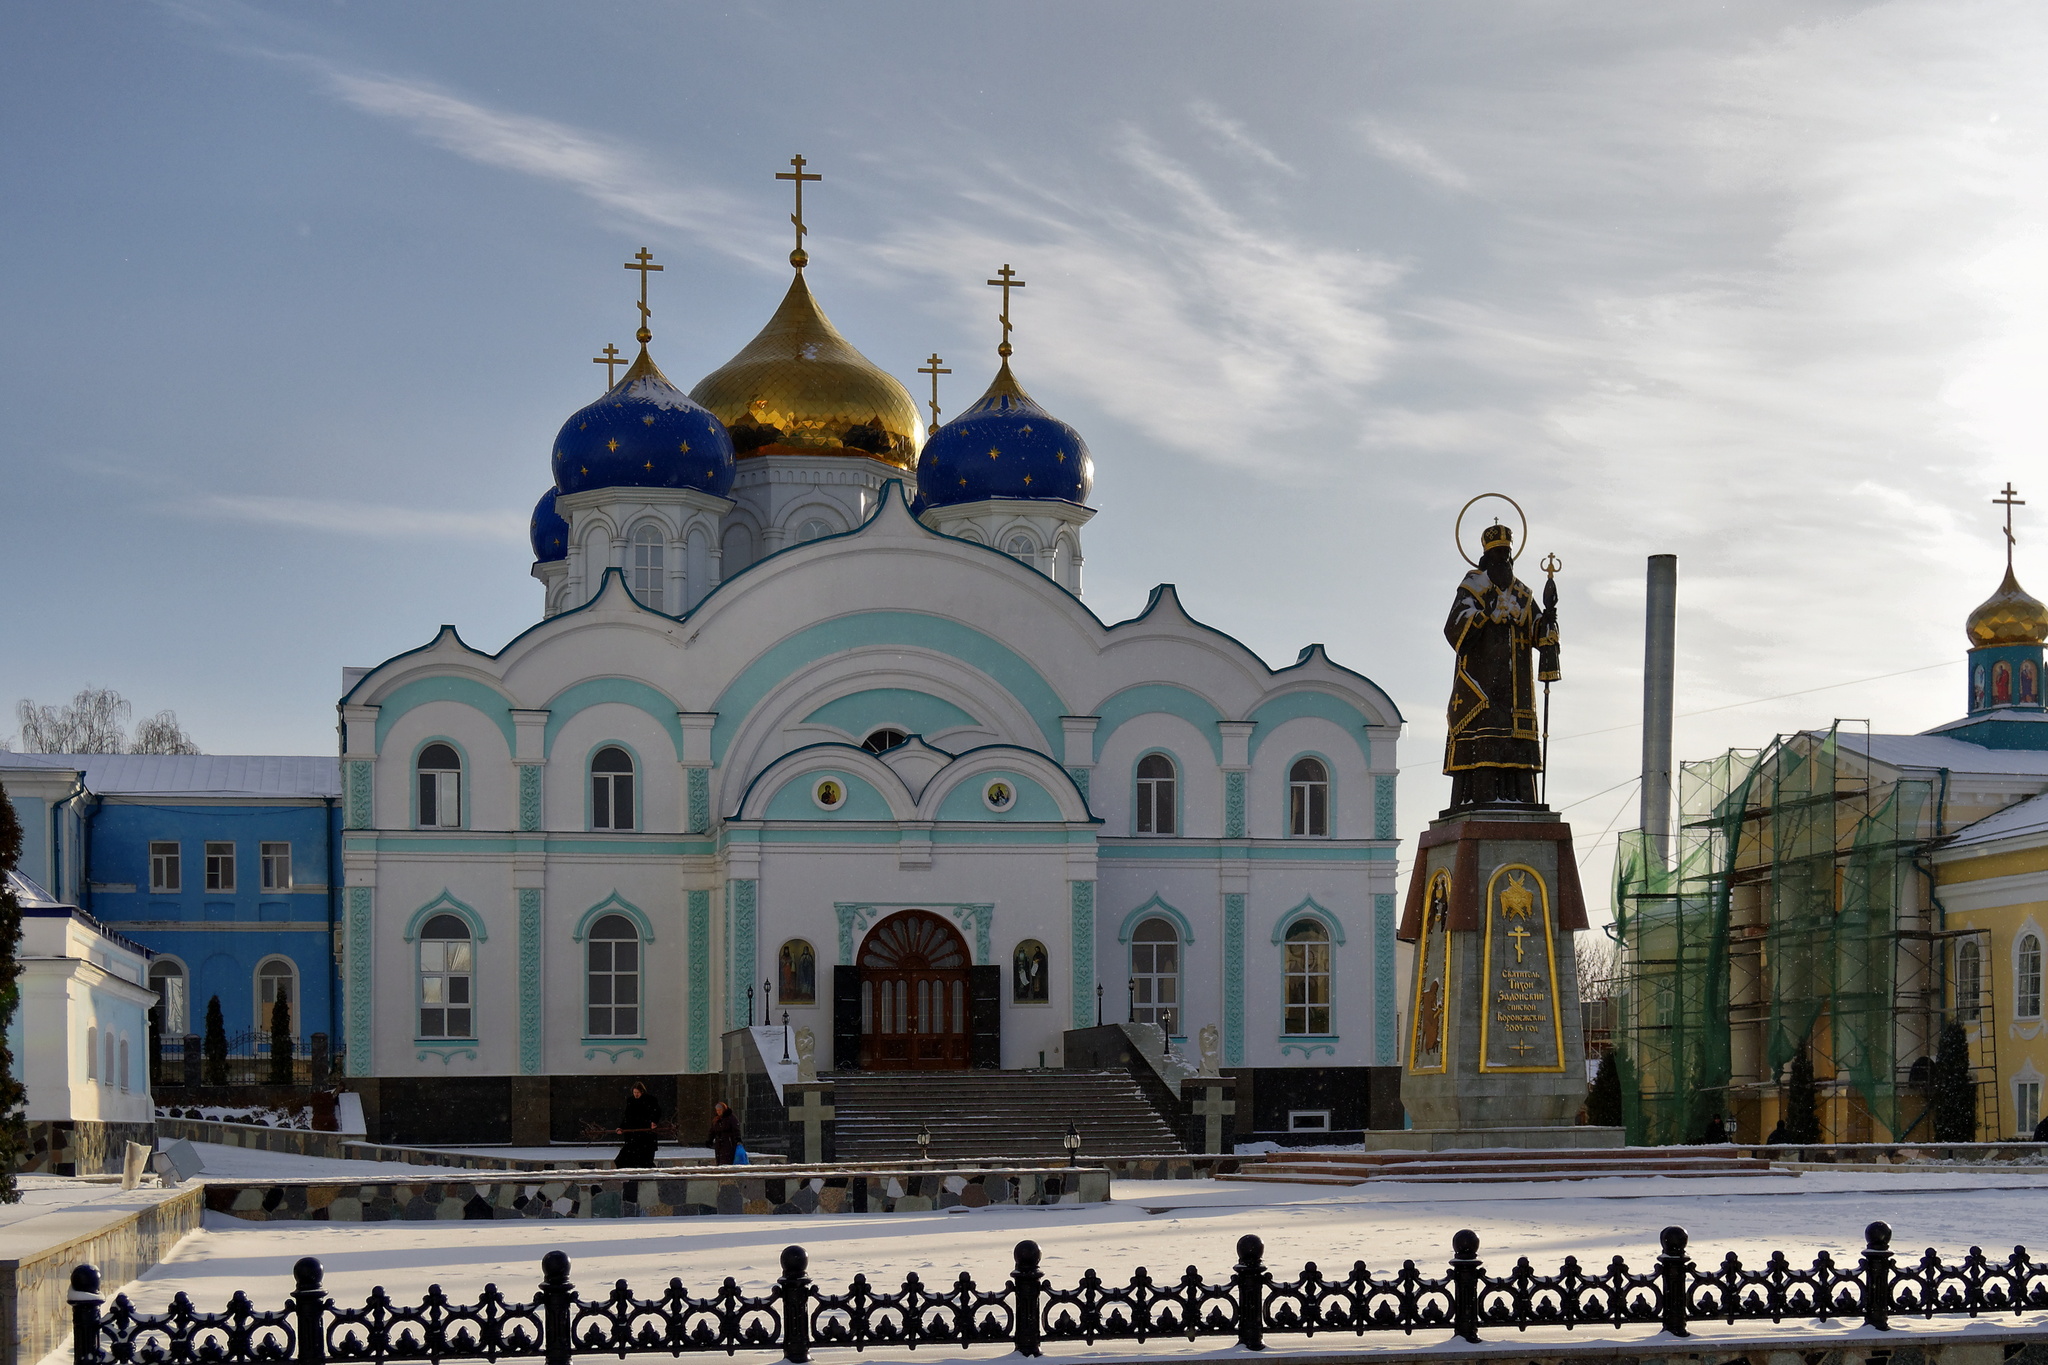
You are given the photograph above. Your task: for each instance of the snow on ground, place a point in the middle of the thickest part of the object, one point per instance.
(248, 1163)
(1163, 1225)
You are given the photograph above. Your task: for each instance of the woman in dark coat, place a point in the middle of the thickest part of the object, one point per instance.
(724, 1137)
(637, 1130)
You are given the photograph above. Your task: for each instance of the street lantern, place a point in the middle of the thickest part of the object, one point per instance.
(924, 1142)
(1131, 984)
(1098, 1004)
(1072, 1142)
(785, 1035)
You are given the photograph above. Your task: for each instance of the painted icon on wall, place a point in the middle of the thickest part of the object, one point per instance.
(1030, 981)
(797, 965)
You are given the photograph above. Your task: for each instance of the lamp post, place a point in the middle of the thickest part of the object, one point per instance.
(750, 1007)
(1131, 985)
(1072, 1142)
(1098, 1004)
(924, 1142)
(785, 1035)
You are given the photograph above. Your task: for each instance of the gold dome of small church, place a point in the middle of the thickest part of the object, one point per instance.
(800, 388)
(2009, 616)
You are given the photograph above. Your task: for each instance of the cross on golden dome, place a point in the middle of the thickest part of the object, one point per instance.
(799, 257)
(645, 264)
(2008, 502)
(932, 368)
(1006, 283)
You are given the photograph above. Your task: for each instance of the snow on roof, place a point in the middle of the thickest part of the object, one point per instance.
(1956, 755)
(2021, 817)
(194, 774)
(28, 893)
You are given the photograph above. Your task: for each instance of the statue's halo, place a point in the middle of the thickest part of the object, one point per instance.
(1458, 530)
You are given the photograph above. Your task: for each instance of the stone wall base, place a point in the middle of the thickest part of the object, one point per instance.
(1577, 1138)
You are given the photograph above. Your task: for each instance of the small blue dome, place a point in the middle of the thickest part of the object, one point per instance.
(1005, 446)
(644, 433)
(548, 531)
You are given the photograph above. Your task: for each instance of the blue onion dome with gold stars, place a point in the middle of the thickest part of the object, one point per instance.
(1005, 446)
(549, 531)
(644, 433)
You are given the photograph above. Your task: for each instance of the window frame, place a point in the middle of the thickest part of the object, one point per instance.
(257, 983)
(2027, 974)
(1969, 1010)
(649, 582)
(461, 774)
(166, 867)
(2027, 1114)
(1307, 973)
(1043, 998)
(220, 866)
(902, 738)
(183, 973)
(590, 780)
(638, 974)
(1176, 1009)
(421, 972)
(1329, 786)
(1145, 807)
(274, 853)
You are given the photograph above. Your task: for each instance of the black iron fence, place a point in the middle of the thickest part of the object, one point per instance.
(795, 1317)
(241, 1059)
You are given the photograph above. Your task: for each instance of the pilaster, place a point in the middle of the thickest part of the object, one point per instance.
(1385, 1003)
(530, 1014)
(699, 931)
(1081, 906)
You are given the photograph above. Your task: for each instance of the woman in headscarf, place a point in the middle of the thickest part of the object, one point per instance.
(724, 1137)
(638, 1130)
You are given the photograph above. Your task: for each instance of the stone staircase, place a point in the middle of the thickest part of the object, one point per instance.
(1000, 1115)
(1500, 1164)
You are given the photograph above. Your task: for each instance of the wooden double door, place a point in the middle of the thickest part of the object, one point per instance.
(919, 1000)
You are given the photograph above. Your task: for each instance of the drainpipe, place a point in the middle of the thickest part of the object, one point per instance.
(1660, 624)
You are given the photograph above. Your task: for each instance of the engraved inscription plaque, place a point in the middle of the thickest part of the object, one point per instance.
(1519, 1025)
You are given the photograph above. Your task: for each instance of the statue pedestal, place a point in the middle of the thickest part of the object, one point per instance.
(1495, 1056)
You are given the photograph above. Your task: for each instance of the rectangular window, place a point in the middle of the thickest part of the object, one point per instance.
(1308, 988)
(2027, 1099)
(220, 867)
(165, 874)
(445, 1002)
(1308, 1120)
(440, 800)
(277, 867)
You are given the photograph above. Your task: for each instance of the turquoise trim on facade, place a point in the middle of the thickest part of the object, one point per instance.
(493, 704)
(1309, 1044)
(1158, 698)
(529, 797)
(1308, 909)
(860, 714)
(700, 799)
(916, 630)
(358, 949)
(359, 810)
(529, 981)
(1295, 705)
(1233, 805)
(624, 846)
(1081, 904)
(1033, 802)
(699, 931)
(1383, 1002)
(445, 903)
(1160, 908)
(978, 920)
(792, 800)
(1257, 850)
(740, 961)
(1233, 977)
(614, 904)
(1383, 806)
(623, 691)
(1080, 776)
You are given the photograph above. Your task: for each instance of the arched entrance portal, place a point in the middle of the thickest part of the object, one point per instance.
(914, 995)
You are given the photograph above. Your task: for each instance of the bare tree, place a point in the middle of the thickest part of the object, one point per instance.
(92, 723)
(1599, 960)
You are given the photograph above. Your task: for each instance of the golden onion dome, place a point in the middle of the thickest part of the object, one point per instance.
(2008, 617)
(800, 388)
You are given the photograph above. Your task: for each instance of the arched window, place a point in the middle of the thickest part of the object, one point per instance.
(1030, 974)
(1021, 547)
(440, 787)
(447, 960)
(814, 529)
(1969, 981)
(611, 789)
(107, 1056)
(92, 1053)
(1308, 799)
(883, 740)
(2026, 964)
(1155, 974)
(1308, 978)
(1156, 806)
(650, 576)
(276, 979)
(121, 1074)
(796, 970)
(167, 978)
(613, 949)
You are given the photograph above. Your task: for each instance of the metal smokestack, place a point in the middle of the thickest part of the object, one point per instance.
(1660, 626)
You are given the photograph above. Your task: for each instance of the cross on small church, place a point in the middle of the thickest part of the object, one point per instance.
(1006, 283)
(2008, 502)
(799, 257)
(1212, 1108)
(645, 259)
(813, 1112)
(931, 367)
(611, 359)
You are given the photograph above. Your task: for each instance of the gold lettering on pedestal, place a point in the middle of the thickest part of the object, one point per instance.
(1520, 1028)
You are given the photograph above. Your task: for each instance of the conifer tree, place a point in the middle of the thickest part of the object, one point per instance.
(1802, 1100)
(216, 1046)
(1603, 1101)
(13, 1129)
(1953, 1092)
(281, 1040)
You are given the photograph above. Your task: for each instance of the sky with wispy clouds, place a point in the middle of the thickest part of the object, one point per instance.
(295, 298)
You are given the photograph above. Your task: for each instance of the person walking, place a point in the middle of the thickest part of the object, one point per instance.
(724, 1137)
(638, 1130)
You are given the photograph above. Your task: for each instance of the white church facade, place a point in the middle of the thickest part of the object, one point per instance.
(816, 723)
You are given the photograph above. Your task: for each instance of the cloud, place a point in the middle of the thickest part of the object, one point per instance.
(1408, 152)
(1231, 134)
(360, 518)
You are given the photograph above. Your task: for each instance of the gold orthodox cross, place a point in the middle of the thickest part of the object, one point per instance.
(1008, 282)
(611, 360)
(644, 259)
(1518, 933)
(2008, 502)
(931, 367)
(798, 257)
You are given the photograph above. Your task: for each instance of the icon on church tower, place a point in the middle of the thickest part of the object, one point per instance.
(999, 796)
(829, 794)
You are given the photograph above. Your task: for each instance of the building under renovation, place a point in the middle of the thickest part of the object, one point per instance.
(1846, 894)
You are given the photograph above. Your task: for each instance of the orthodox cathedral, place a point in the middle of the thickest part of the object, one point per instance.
(815, 724)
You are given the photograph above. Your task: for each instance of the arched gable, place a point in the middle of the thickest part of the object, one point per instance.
(1156, 908)
(846, 761)
(967, 800)
(970, 768)
(1273, 712)
(1151, 698)
(614, 904)
(919, 713)
(1308, 909)
(445, 903)
(564, 705)
(495, 705)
